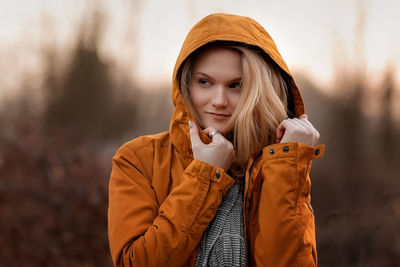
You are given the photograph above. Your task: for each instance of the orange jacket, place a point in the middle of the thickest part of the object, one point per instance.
(161, 200)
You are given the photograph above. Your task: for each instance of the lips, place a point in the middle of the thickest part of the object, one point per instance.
(218, 116)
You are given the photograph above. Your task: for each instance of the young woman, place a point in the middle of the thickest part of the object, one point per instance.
(228, 184)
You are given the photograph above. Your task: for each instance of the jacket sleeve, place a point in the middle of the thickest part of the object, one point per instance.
(145, 233)
(282, 230)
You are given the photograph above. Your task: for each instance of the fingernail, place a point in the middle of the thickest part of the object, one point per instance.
(190, 124)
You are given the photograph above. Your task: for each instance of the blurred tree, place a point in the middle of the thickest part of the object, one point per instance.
(387, 131)
(82, 106)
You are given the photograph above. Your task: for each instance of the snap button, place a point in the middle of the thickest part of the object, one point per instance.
(317, 151)
(285, 149)
(217, 174)
(271, 151)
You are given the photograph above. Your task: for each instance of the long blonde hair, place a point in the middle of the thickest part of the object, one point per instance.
(262, 105)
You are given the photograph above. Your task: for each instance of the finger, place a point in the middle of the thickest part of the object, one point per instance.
(309, 129)
(293, 125)
(316, 136)
(307, 124)
(209, 131)
(303, 116)
(280, 131)
(216, 136)
(301, 124)
(194, 134)
(289, 125)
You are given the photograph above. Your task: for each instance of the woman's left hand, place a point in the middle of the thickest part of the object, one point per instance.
(297, 130)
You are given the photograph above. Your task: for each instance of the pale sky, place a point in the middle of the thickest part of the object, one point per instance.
(145, 36)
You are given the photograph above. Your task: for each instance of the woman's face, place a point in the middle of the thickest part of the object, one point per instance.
(215, 86)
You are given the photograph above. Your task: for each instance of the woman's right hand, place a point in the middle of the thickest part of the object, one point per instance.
(218, 153)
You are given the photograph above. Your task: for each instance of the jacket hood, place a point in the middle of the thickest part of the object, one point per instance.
(233, 28)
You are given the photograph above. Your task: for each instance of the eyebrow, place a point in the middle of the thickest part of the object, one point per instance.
(204, 74)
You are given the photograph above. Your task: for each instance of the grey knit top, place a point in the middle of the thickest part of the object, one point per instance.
(222, 244)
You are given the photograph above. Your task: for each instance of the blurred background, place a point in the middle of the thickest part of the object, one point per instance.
(80, 78)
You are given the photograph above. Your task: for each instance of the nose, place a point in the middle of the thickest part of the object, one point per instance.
(220, 99)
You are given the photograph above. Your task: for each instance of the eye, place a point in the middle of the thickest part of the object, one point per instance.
(235, 85)
(204, 82)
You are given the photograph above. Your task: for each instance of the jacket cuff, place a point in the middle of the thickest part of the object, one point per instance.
(206, 173)
(296, 150)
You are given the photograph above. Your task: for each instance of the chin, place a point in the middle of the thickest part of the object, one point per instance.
(222, 128)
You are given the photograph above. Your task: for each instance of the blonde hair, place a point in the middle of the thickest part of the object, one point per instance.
(262, 105)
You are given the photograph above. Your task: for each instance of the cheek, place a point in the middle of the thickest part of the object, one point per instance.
(198, 97)
(234, 100)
